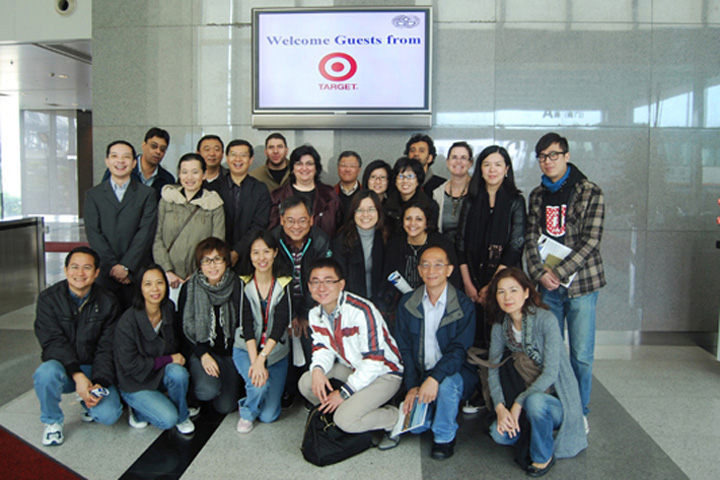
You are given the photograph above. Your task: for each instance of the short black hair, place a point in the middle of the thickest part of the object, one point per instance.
(403, 163)
(293, 201)
(138, 301)
(238, 143)
(421, 137)
(157, 132)
(438, 246)
(276, 135)
(86, 250)
(189, 157)
(208, 245)
(300, 152)
(350, 153)
(210, 137)
(120, 142)
(550, 138)
(327, 263)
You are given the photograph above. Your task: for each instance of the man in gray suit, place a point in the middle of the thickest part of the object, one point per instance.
(120, 219)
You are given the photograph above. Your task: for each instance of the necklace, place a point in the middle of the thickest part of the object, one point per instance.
(417, 248)
(457, 201)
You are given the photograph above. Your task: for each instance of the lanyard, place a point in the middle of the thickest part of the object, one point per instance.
(266, 313)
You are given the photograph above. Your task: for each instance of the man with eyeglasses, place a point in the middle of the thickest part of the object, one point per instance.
(301, 243)
(148, 170)
(435, 327)
(75, 324)
(352, 345)
(569, 209)
(348, 166)
(246, 200)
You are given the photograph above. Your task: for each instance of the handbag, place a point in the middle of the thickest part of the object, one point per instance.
(324, 443)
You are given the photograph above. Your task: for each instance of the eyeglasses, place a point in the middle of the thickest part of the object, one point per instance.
(155, 146)
(348, 165)
(327, 283)
(300, 221)
(406, 176)
(85, 268)
(543, 157)
(463, 158)
(363, 211)
(216, 260)
(433, 266)
(374, 178)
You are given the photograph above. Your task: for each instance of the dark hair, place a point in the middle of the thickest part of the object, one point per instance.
(421, 137)
(548, 139)
(277, 135)
(327, 263)
(138, 301)
(350, 153)
(430, 226)
(298, 153)
(495, 314)
(238, 143)
(190, 157)
(374, 165)
(120, 142)
(157, 132)
(462, 144)
(210, 137)
(210, 244)
(85, 250)
(438, 246)
(351, 235)
(477, 183)
(246, 267)
(293, 201)
(404, 163)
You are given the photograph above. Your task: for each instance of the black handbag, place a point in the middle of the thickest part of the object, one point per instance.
(324, 443)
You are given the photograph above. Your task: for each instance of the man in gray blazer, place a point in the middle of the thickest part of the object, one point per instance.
(120, 219)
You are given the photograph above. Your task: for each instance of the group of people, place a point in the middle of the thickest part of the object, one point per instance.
(356, 296)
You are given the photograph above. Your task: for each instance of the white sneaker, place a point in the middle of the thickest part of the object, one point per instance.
(194, 411)
(587, 425)
(244, 426)
(85, 415)
(134, 422)
(53, 434)
(186, 428)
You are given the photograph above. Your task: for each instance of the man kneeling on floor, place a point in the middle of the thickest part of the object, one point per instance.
(435, 327)
(351, 343)
(75, 323)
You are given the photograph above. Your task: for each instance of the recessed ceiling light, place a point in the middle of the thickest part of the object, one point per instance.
(63, 76)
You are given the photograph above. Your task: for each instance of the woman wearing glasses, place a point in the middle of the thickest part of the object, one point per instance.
(409, 175)
(492, 229)
(360, 244)
(187, 213)
(261, 345)
(209, 307)
(377, 178)
(450, 195)
(305, 170)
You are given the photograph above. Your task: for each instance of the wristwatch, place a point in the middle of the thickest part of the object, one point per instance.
(344, 394)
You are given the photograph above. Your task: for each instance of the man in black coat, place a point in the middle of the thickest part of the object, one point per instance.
(75, 323)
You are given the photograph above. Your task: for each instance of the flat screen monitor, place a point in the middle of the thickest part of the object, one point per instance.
(342, 67)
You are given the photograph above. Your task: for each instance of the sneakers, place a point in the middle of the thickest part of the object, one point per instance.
(85, 416)
(53, 434)
(244, 426)
(194, 411)
(134, 422)
(474, 405)
(186, 428)
(388, 442)
(587, 425)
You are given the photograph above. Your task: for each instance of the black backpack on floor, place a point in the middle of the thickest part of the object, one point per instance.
(324, 443)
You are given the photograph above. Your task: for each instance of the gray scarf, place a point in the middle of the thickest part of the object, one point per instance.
(528, 342)
(199, 314)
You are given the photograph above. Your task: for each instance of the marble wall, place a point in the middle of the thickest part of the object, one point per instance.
(633, 84)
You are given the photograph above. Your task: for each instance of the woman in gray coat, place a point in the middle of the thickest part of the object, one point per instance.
(522, 324)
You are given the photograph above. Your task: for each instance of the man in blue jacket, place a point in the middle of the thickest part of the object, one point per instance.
(435, 327)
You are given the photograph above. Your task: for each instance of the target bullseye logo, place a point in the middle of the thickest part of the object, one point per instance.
(337, 67)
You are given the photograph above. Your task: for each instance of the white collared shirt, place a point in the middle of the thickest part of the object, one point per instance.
(433, 317)
(119, 189)
(352, 190)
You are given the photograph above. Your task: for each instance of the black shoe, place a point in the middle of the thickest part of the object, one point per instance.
(442, 451)
(539, 472)
(287, 401)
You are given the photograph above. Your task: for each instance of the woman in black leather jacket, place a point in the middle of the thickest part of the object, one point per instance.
(492, 229)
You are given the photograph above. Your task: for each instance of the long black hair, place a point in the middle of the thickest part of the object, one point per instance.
(477, 183)
(351, 234)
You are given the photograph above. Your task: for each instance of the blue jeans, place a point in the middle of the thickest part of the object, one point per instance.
(579, 313)
(262, 402)
(442, 413)
(544, 413)
(51, 381)
(155, 407)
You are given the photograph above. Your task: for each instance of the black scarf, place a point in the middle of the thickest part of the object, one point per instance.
(486, 234)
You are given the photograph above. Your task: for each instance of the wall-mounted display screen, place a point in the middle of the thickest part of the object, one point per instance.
(342, 68)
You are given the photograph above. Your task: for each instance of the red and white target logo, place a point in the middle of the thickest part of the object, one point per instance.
(337, 67)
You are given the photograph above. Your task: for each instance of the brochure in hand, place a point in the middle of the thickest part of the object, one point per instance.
(414, 419)
(552, 253)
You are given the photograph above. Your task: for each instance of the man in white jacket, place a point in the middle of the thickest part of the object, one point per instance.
(351, 343)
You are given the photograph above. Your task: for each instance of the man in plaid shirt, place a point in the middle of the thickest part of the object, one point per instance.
(569, 209)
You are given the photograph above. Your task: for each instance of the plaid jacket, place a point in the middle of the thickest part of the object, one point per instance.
(584, 228)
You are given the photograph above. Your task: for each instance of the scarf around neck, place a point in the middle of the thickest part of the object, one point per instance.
(528, 341)
(199, 313)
